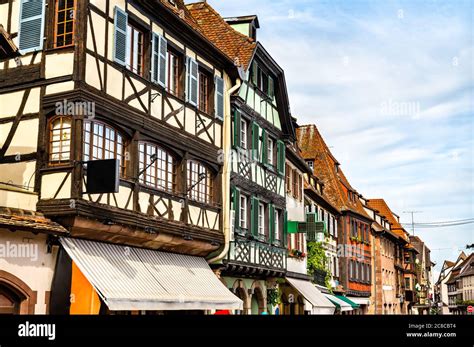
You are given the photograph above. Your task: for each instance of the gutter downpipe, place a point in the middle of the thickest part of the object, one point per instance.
(227, 147)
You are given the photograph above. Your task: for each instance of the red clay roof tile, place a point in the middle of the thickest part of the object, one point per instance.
(235, 45)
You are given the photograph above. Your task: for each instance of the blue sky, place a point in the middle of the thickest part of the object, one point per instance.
(390, 86)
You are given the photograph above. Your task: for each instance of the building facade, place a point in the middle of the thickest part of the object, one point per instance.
(354, 232)
(317, 204)
(259, 126)
(136, 85)
(387, 292)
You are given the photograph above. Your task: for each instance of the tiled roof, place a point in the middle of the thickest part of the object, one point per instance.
(16, 219)
(313, 147)
(232, 43)
(381, 206)
(182, 11)
(468, 266)
(449, 263)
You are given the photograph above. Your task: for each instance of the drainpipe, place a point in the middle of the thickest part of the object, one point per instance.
(375, 274)
(227, 147)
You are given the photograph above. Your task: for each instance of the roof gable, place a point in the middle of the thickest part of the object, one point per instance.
(327, 168)
(235, 45)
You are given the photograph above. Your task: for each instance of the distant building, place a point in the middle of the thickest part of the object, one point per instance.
(353, 226)
(460, 285)
(388, 292)
(441, 299)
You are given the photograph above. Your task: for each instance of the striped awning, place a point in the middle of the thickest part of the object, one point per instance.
(321, 305)
(350, 302)
(340, 304)
(129, 278)
(359, 301)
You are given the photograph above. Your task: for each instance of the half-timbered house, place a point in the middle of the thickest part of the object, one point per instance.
(137, 82)
(353, 230)
(260, 125)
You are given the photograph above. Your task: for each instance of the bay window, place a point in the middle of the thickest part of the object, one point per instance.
(60, 140)
(159, 165)
(102, 141)
(199, 181)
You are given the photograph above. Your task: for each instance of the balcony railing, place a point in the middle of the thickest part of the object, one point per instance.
(258, 254)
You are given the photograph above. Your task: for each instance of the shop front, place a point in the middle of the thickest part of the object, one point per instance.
(110, 279)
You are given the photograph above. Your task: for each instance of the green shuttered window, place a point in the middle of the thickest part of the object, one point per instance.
(236, 128)
(271, 225)
(255, 141)
(254, 215)
(264, 147)
(281, 157)
(31, 28)
(236, 203)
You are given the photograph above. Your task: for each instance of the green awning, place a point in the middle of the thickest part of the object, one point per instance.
(350, 302)
(340, 304)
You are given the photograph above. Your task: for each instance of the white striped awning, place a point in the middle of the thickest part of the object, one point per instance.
(344, 306)
(130, 278)
(359, 301)
(321, 305)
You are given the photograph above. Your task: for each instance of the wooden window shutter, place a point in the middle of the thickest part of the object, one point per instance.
(281, 157)
(254, 73)
(31, 26)
(271, 88)
(162, 61)
(264, 155)
(155, 57)
(285, 228)
(271, 223)
(254, 215)
(300, 188)
(120, 36)
(255, 141)
(236, 203)
(192, 81)
(237, 130)
(219, 96)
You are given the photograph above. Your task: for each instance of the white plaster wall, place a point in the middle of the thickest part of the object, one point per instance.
(36, 273)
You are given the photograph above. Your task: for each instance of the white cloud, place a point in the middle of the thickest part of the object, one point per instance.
(344, 60)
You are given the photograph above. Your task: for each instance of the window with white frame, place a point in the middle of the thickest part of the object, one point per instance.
(243, 212)
(261, 219)
(270, 151)
(243, 133)
(277, 224)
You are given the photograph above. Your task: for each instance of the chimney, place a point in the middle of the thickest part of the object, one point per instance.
(246, 25)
